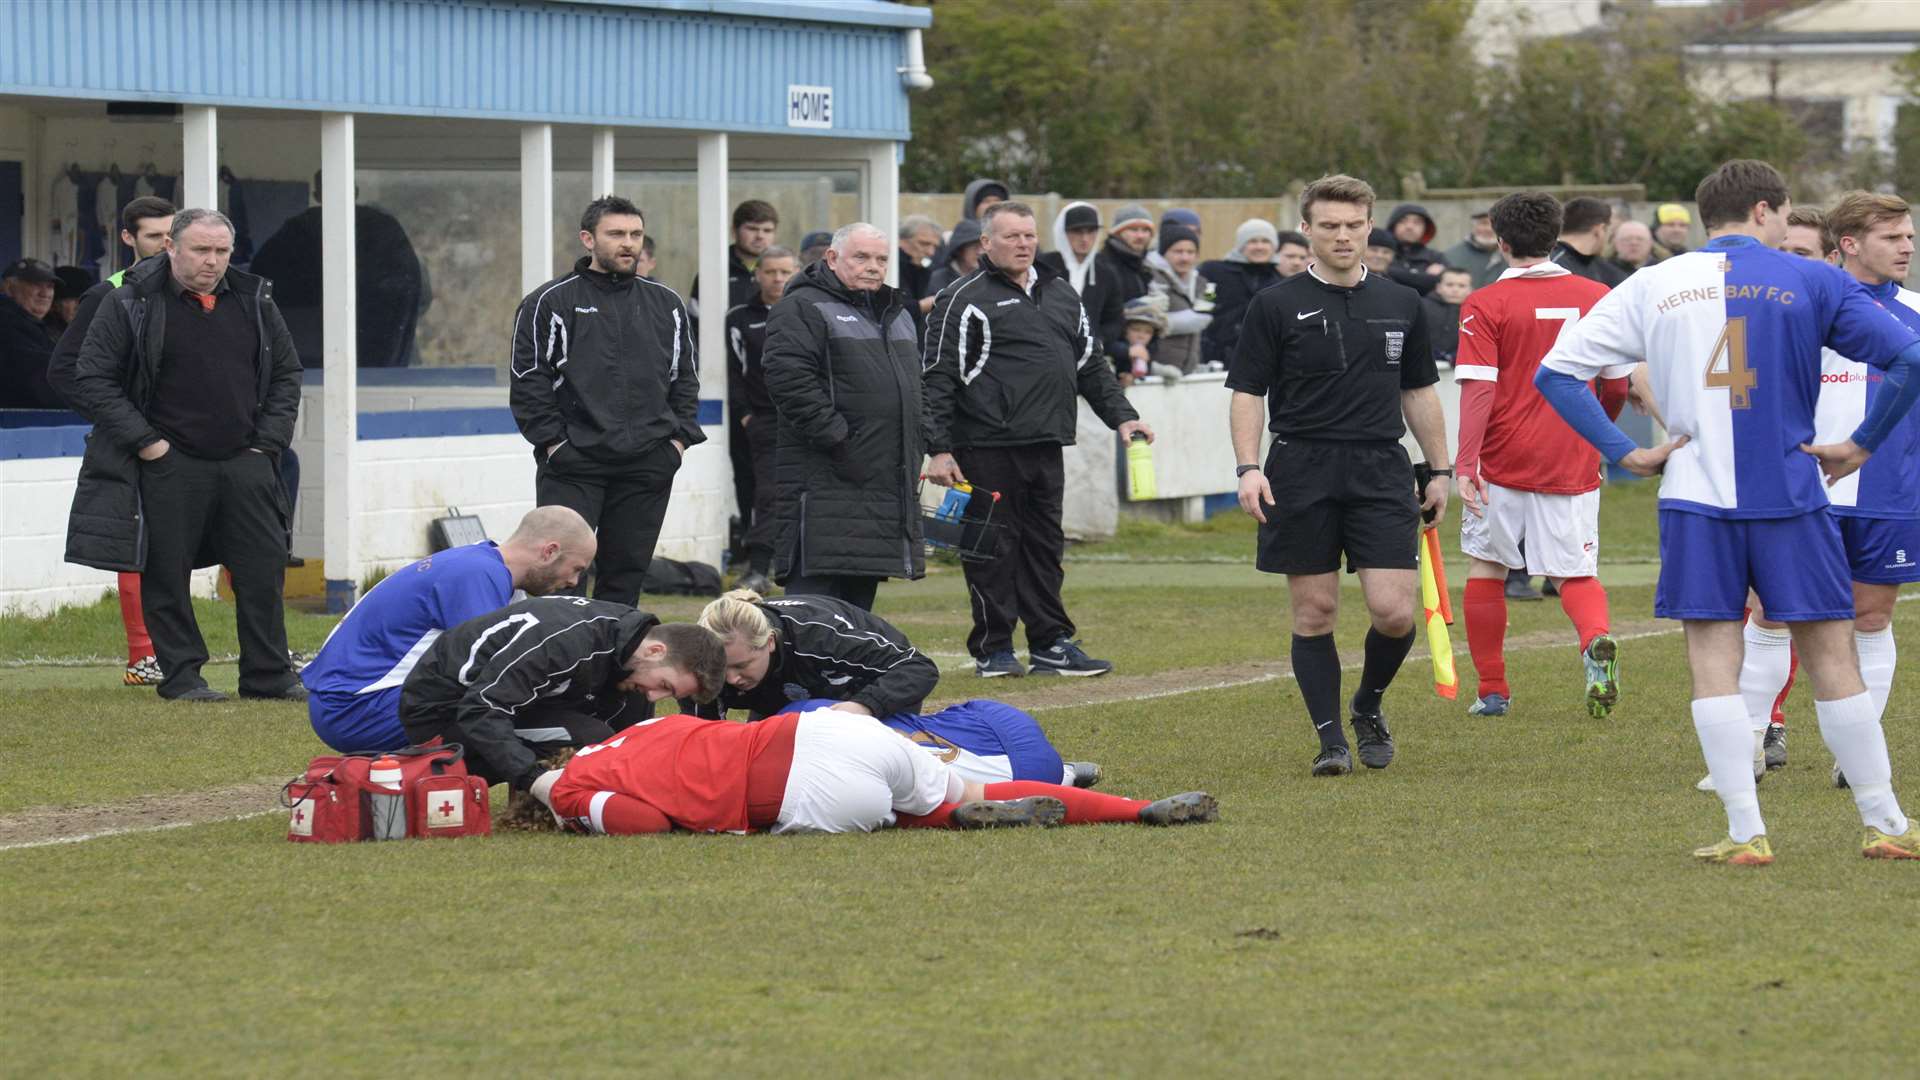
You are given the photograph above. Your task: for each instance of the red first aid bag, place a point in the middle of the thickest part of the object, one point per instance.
(331, 802)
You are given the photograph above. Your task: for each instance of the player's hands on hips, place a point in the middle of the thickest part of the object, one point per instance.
(1255, 491)
(943, 470)
(1473, 493)
(853, 707)
(1838, 460)
(1644, 462)
(1433, 503)
(1128, 429)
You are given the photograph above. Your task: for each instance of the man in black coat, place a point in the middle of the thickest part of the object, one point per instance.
(1095, 276)
(1584, 227)
(547, 672)
(26, 342)
(843, 369)
(192, 383)
(1246, 270)
(1125, 264)
(606, 386)
(1008, 351)
(1415, 265)
(752, 409)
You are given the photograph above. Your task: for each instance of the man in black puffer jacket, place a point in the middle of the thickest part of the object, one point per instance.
(1009, 348)
(606, 386)
(1415, 265)
(843, 368)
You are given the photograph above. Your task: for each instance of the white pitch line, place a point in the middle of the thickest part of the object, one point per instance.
(103, 833)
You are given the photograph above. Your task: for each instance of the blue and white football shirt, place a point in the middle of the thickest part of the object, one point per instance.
(390, 629)
(1888, 485)
(1732, 335)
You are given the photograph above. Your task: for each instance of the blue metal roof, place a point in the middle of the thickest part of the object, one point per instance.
(705, 65)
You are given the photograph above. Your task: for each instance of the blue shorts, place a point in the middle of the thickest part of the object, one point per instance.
(1881, 551)
(1797, 565)
(352, 723)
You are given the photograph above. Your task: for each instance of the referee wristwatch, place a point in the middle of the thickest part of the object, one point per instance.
(1242, 470)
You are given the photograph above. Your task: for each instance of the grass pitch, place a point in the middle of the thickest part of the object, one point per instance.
(1512, 896)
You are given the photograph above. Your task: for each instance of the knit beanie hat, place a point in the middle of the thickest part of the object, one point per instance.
(1180, 215)
(1255, 229)
(1132, 212)
(1173, 234)
(1149, 309)
(1382, 238)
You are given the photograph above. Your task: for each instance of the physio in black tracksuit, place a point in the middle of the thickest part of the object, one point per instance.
(843, 367)
(513, 685)
(747, 400)
(813, 647)
(606, 386)
(1008, 350)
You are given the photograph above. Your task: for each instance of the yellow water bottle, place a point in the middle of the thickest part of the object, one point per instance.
(1140, 483)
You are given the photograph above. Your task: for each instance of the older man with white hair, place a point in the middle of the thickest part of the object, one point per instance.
(842, 365)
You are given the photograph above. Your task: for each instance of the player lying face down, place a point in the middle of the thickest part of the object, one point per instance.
(827, 648)
(986, 742)
(819, 771)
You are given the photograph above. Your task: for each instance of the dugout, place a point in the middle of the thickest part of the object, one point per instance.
(476, 130)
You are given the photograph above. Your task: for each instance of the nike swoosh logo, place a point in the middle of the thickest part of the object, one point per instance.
(1322, 727)
(1308, 314)
(1468, 319)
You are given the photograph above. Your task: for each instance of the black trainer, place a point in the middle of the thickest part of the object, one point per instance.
(1002, 664)
(1065, 658)
(1084, 774)
(1372, 739)
(1333, 761)
(1775, 745)
(1186, 808)
(1002, 813)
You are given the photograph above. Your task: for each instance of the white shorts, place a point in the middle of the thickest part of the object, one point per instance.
(850, 773)
(1561, 532)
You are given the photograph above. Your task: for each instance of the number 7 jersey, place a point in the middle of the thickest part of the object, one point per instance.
(1732, 335)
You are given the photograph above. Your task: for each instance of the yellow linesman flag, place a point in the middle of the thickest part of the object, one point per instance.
(1438, 613)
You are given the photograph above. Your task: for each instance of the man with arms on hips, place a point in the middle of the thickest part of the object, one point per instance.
(513, 685)
(191, 380)
(794, 647)
(1732, 334)
(1008, 350)
(606, 386)
(1529, 487)
(354, 681)
(1338, 355)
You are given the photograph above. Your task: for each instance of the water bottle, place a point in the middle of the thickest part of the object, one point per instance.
(955, 502)
(388, 803)
(1141, 486)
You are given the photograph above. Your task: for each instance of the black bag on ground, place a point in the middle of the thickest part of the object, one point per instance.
(671, 577)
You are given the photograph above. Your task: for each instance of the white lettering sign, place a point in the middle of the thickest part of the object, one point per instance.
(810, 106)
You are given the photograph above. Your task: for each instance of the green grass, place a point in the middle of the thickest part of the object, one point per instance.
(1512, 897)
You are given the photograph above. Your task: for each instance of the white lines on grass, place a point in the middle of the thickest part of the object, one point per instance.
(104, 833)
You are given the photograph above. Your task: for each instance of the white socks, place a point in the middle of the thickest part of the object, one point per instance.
(1851, 728)
(1726, 741)
(1876, 666)
(1763, 673)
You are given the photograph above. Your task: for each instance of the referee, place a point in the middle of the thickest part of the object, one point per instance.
(1340, 355)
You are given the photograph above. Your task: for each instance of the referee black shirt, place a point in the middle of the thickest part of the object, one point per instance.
(1332, 360)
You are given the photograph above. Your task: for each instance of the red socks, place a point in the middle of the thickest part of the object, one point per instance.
(132, 615)
(624, 815)
(1585, 602)
(1083, 807)
(1793, 668)
(1486, 609)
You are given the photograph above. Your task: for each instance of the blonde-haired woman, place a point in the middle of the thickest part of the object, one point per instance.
(795, 647)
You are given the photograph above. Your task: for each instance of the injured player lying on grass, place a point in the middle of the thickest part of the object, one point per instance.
(818, 771)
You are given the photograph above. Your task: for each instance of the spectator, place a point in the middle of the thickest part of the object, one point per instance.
(1129, 239)
(1144, 319)
(747, 399)
(981, 194)
(1380, 252)
(1189, 306)
(1809, 237)
(1415, 265)
(1632, 246)
(144, 225)
(608, 438)
(1076, 235)
(813, 247)
(754, 224)
(26, 343)
(1583, 235)
(1479, 253)
(646, 264)
(1007, 353)
(1673, 228)
(190, 377)
(919, 242)
(1180, 215)
(72, 284)
(843, 368)
(1246, 270)
(962, 252)
(1443, 312)
(1292, 255)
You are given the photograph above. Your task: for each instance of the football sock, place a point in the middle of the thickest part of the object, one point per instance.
(1584, 600)
(1382, 661)
(1726, 741)
(1876, 665)
(1084, 807)
(1851, 728)
(624, 815)
(133, 616)
(1764, 671)
(1486, 610)
(1316, 667)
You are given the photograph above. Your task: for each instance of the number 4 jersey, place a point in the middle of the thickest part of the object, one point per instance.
(1888, 485)
(1732, 336)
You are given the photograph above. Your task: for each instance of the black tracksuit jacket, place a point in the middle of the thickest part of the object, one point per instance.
(827, 648)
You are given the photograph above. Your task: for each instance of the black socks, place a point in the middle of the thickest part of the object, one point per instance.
(1316, 668)
(1384, 657)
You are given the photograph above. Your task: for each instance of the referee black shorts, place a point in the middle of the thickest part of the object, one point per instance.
(1334, 497)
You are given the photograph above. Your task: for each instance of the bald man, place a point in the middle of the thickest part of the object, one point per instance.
(354, 683)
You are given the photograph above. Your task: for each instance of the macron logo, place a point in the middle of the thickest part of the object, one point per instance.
(1011, 300)
(587, 310)
(848, 318)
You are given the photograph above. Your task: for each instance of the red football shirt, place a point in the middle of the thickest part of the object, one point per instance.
(1506, 329)
(692, 770)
